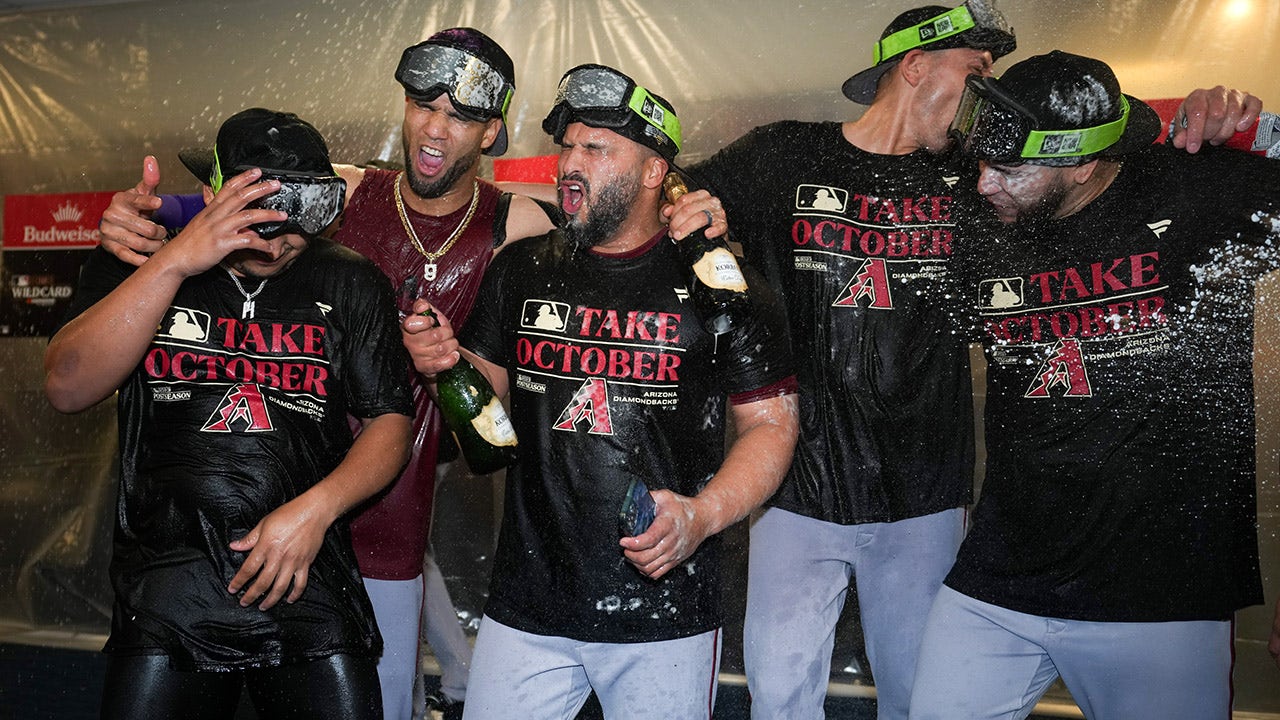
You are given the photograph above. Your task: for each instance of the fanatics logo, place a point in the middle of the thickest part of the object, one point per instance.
(1158, 227)
(544, 315)
(821, 197)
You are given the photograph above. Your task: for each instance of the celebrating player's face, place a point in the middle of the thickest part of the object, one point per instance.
(1023, 193)
(440, 144)
(252, 263)
(940, 90)
(599, 180)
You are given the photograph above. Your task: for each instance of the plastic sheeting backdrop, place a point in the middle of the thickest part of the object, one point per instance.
(85, 93)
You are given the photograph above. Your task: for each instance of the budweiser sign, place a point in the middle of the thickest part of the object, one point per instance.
(37, 222)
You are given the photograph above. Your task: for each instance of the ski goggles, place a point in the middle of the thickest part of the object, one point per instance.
(603, 97)
(474, 86)
(992, 125)
(975, 15)
(311, 202)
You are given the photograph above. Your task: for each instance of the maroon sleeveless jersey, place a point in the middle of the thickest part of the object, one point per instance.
(390, 532)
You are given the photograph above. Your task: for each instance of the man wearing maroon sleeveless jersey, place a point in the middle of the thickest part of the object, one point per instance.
(432, 230)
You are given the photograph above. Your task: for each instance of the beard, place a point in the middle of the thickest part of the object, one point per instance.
(1044, 209)
(431, 189)
(609, 210)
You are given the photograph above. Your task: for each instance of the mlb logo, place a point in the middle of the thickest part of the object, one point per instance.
(1000, 294)
(185, 324)
(824, 198)
(544, 315)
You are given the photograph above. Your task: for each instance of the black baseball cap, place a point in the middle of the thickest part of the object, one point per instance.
(977, 24)
(471, 67)
(286, 148)
(261, 138)
(603, 97)
(1056, 109)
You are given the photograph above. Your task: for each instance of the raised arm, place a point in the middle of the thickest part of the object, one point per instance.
(283, 544)
(90, 357)
(752, 471)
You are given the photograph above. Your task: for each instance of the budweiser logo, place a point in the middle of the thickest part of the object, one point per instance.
(67, 213)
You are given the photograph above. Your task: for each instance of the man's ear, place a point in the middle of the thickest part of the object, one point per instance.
(1081, 174)
(655, 171)
(913, 67)
(492, 126)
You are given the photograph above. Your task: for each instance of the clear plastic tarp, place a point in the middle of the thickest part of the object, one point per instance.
(85, 92)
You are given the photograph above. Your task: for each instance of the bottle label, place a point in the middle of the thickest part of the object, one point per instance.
(494, 426)
(718, 268)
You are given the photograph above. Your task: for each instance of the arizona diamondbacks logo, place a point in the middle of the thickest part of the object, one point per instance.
(871, 283)
(590, 405)
(1063, 371)
(241, 408)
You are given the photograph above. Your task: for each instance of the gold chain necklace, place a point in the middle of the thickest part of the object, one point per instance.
(429, 270)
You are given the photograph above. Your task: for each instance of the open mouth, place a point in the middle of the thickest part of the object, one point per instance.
(430, 161)
(572, 193)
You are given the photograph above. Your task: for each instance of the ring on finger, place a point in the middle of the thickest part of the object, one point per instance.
(710, 218)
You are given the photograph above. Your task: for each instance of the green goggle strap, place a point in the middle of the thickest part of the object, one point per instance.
(1069, 143)
(216, 179)
(952, 22)
(666, 121)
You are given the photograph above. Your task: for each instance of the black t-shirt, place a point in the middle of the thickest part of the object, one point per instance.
(1120, 418)
(612, 378)
(859, 247)
(223, 421)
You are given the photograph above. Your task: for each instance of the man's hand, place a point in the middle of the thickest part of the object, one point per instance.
(223, 226)
(126, 227)
(1213, 116)
(677, 530)
(281, 548)
(431, 344)
(693, 211)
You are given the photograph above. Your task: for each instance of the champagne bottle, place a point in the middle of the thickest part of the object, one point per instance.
(475, 416)
(718, 287)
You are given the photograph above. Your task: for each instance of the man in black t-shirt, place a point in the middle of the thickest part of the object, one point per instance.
(1116, 533)
(614, 384)
(239, 351)
(857, 225)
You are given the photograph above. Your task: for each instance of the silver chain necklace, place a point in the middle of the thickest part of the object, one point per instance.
(246, 312)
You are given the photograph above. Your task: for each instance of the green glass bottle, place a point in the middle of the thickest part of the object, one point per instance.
(475, 416)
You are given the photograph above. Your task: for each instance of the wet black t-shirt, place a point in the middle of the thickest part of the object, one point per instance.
(859, 246)
(225, 420)
(1120, 417)
(612, 378)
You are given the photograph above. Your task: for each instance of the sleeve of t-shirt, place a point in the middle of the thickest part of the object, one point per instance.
(483, 333)
(377, 369)
(1245, 190)
(99, 275)
(759, 355)
(731, 175)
